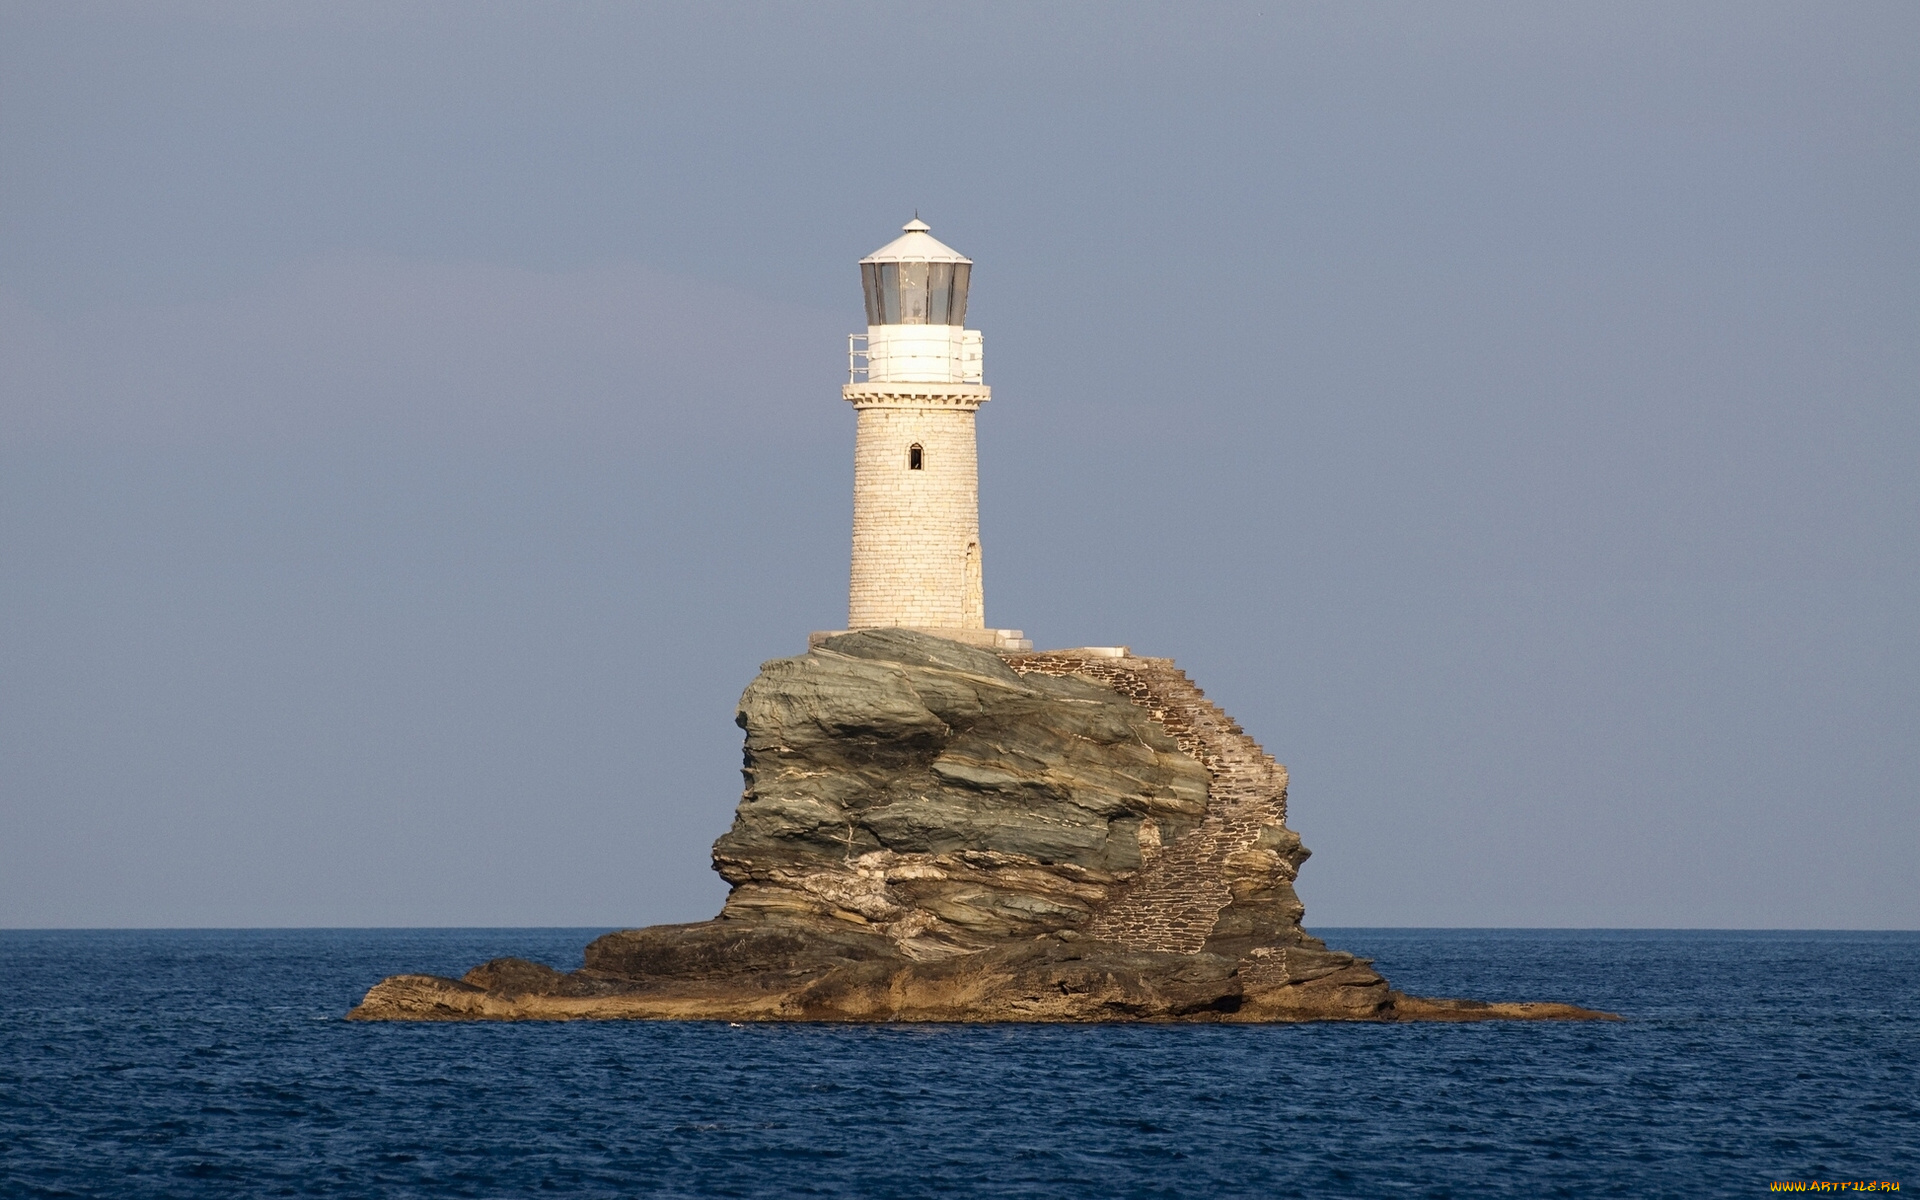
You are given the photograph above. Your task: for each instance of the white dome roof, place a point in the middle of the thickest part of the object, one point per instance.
(916, 245)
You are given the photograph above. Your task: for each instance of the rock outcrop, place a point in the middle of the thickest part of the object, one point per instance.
(936, 832)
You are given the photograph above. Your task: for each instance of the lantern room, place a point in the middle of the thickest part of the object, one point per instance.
(916, 280)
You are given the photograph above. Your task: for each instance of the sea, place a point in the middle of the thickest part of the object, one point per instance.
(215, 1063)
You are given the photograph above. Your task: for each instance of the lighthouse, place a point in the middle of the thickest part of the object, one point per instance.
(914, 380)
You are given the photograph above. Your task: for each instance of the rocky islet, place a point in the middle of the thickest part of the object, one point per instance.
(932, 831)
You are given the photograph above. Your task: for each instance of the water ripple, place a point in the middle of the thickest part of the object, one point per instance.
(213, 1063)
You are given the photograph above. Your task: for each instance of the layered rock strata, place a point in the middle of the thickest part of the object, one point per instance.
(934, 832)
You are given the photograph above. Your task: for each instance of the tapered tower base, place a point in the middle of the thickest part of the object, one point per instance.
(916, 507)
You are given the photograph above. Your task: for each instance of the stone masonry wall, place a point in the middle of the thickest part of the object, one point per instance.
(916, 534)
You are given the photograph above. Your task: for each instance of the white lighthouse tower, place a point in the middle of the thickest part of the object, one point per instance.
(915, 387)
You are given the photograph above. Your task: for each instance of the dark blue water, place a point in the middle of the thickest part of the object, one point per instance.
(214, 1063)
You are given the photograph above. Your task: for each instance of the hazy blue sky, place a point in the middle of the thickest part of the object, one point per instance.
(418, 421)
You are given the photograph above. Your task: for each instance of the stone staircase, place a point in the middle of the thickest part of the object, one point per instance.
(1173, 902)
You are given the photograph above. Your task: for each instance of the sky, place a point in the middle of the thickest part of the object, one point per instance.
(419, 420)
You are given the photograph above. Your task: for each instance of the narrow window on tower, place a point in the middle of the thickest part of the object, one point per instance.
(916, 458)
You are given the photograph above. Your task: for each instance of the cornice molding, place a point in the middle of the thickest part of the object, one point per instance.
(916, 395)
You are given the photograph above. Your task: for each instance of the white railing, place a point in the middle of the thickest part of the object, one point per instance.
(914, 354)
(967, 362)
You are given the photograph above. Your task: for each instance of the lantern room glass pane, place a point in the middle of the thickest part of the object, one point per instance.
(913, 293)
(870, 287)
(957, 309)
(939, 292)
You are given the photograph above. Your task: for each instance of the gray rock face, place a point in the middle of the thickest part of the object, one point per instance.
(924, 789)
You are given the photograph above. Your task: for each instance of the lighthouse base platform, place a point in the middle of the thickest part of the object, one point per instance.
(986, 639)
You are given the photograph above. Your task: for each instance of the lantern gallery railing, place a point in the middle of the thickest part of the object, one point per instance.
(914, 354)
